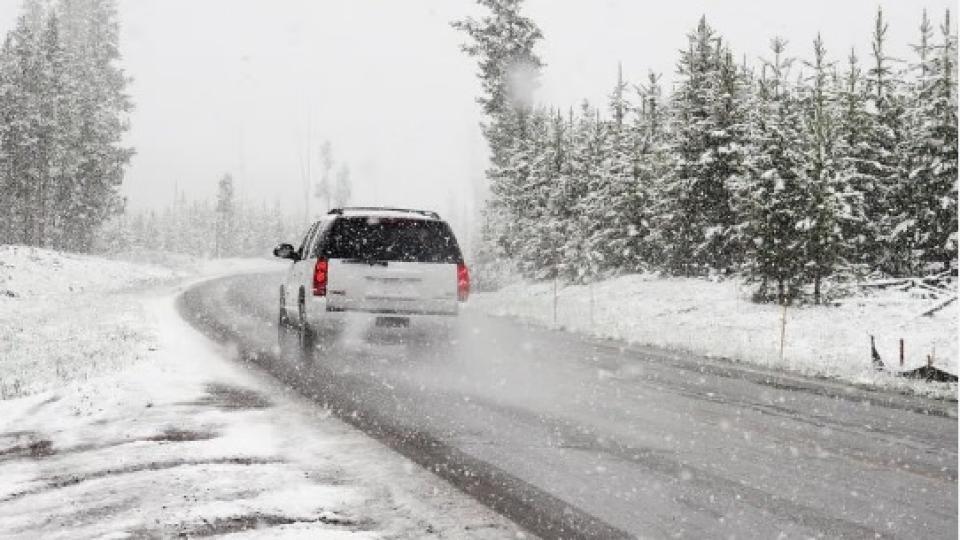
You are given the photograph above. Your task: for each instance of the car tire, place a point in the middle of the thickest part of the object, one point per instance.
(283, 319)
(304, 332)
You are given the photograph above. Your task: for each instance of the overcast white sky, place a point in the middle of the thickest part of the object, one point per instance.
(231, 85)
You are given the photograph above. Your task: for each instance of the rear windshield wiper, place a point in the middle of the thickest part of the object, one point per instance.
(371, 262)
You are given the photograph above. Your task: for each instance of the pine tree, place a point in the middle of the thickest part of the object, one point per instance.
(536, 245)
(856, 160)
(731, 106)
(617, 206)
(882, 158)
(225, 216)
(63, 112)
(586, 176)
(324, 191)
(941, 244)
(151, 230)
(341, 191)
(24, 123)
(926, 223)
(650, 167)
(554, 222)
(515, 191)
(503, 43)
(775, 194)
(91, 33)
(696, 216)
(49, 90)
(832, 202)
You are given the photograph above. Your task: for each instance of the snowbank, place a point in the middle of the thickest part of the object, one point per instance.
(717, 319)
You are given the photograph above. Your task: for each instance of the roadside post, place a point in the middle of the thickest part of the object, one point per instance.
(591, 306)
(555, 300)
(783, 330)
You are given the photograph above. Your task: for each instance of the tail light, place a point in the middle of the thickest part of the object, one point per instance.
(320, 277)
(463, 282)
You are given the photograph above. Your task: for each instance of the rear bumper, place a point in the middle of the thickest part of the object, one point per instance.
(391, 311)
(321, 314)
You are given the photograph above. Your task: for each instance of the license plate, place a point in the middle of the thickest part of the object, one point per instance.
(391, 288)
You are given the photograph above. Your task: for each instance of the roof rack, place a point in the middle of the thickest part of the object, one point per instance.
(428, 213)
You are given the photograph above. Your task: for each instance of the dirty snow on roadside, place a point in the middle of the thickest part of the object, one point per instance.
(718, 319)
(157, 433)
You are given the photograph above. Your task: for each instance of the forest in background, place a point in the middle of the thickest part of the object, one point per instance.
(225, 227)
(801, 172)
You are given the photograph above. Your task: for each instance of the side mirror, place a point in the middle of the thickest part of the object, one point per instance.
(285, 251)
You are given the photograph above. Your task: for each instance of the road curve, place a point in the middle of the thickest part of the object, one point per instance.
(579, 438)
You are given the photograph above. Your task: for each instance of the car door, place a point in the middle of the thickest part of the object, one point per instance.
(295, 274)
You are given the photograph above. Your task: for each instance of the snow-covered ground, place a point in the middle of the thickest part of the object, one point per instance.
(120, 420)
(718, 319)
(65, 317)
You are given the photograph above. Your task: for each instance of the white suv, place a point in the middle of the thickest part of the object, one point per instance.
(390, 262)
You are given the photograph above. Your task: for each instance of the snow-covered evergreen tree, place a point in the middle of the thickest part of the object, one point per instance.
(833, 204)
(225, 239)
(696, 216)
(324, 190)
(341, 189)
(24, 167)
(585, 179)
(651, 163)
(91, 32)
(860, 160)
(63, 113)
(516, 190)
(554, 223)
(925, 230)
(774, 196)
(503, 42)
(616, 204)
(536, 242)
(882, 159)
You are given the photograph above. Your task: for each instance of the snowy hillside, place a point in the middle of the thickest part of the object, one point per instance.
(65, 317)
(718, 319)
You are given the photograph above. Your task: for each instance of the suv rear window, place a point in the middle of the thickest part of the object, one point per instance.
(391, 239)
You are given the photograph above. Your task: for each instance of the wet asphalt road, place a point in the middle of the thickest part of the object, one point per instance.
(581, 438)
